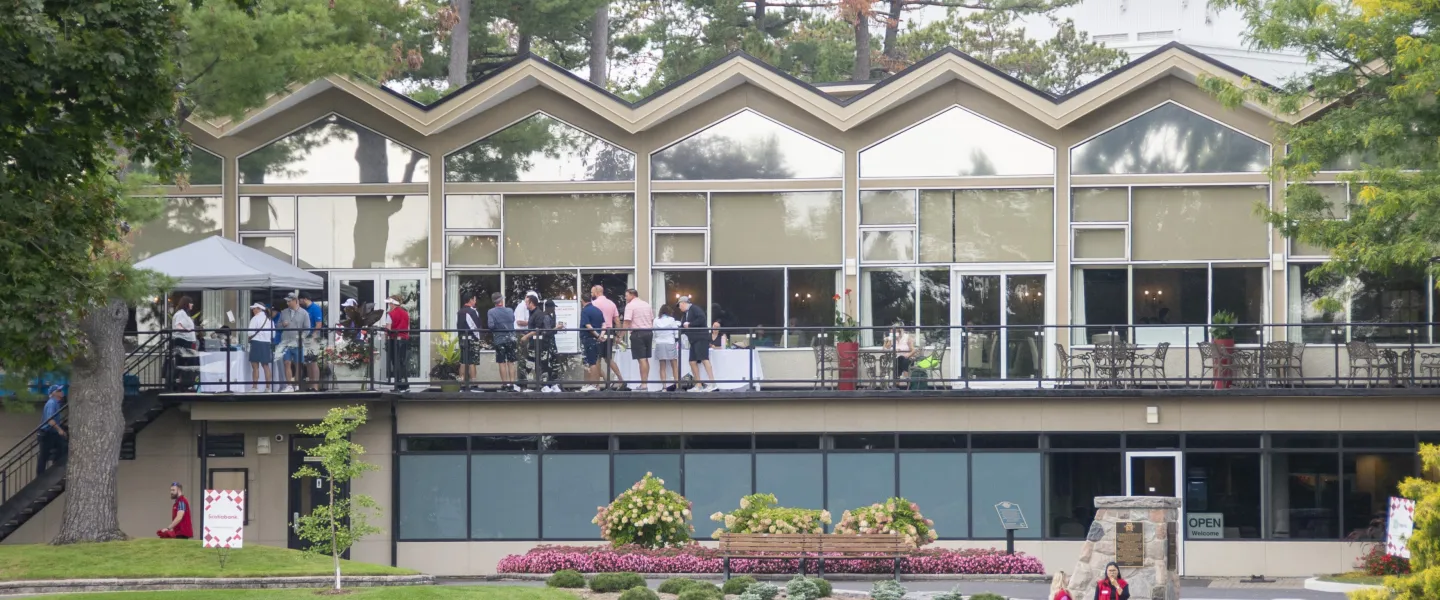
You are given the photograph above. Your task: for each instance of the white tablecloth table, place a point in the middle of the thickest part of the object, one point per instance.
(733, 368)
(213, 377)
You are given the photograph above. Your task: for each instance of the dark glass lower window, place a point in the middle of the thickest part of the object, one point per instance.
(1305, 496)
(1222, 496)
(1075, 479)
(1370, 480)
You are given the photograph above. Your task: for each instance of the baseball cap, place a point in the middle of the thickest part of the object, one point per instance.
(291, 296)
(54, 388)
(532, 294)
(684, 299)
(350, 302)
(259, 305)
(392, 301)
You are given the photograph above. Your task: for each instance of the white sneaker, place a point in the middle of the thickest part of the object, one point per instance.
(588, 388)
(516, 388)
(712, 387)
(287, 389)
(697, 389)
(528, 390)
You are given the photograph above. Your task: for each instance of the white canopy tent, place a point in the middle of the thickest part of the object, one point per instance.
(216, 263)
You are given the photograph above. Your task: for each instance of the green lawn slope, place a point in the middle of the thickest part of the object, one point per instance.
(145, 558)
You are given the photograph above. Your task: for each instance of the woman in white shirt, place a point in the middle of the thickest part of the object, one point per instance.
(183, 345)
(905, 351)
(261, 345)
(667, 352)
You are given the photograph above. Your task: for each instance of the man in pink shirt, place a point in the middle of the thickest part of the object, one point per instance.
(612, 319)
(639, 318)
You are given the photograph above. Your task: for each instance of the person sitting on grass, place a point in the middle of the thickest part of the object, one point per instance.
(179, 528)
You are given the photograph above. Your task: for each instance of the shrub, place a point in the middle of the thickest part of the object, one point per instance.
(705, 592)
(895, 516)
(567, 578)
(761, 591)
(825, 589)
(737, 585)
(888, 589)
(985, 596)
(639, 593)
(647, 515)
(697, 559)
(1377, 562)
(615, 582)
(759, 514)
(950, 595)
(801, 588)
(675, 585)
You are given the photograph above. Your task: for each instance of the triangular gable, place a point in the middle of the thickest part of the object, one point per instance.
(540, 148)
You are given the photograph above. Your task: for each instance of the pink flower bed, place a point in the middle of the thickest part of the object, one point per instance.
(698, 559)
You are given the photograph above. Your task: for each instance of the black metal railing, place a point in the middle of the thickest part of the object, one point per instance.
(1089, 356)
(20, 464)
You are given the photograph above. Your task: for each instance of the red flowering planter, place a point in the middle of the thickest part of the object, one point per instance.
(849, 356)
(698, 559)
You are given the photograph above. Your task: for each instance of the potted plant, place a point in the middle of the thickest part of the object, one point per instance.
(1222, 335)
(348, 361)
(447, 362)
(847, 344)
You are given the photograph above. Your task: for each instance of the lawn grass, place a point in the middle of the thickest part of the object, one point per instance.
(391, 593)
(167, 558)
(1355, 577)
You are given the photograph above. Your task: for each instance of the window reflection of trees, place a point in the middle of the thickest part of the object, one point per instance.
(205, 168)
(746, 146)
(329, 141)
(540, 148)
(957, 143)
(1170, 139)
(185, 220)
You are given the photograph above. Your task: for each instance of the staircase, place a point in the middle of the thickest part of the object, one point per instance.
(23, 493)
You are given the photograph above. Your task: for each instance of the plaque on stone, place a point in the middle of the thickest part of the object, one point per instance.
(1130, 543)
(1172, 531)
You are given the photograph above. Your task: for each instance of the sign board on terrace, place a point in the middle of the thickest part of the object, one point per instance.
(224, 524)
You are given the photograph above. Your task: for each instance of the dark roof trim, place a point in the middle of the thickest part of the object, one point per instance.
(948, 51)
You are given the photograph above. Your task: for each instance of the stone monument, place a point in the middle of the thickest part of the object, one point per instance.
(1140, 533)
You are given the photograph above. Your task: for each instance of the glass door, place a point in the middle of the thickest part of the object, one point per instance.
(1157, 474)
(372, 288)
(1003, 315)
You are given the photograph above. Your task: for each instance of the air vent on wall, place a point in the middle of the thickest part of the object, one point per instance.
(1113, 38)
(227, 445)
(1150, 36)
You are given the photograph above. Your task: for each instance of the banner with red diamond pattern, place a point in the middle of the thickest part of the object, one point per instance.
(1399, 527)
(224, 519)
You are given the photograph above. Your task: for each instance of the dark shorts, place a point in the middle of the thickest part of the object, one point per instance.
(469, 351)
(591, 350)
(261, 352)
(603, 349)
(640, 344)
(505, 352)
(699, 352)
(293, 354)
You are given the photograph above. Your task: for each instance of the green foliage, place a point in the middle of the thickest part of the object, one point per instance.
(647, 515)
(1424, 582)
(566, 578)
(639, 593)
(761, 591)
(737, 585)
(802, 588)
(675, 585)
(982, 596)
(447, 357)
(758, 514)
(615, 582)
(953, 594)
(1223, 325)
(896, 516)
(701, 592)
(887, 589)
(824, 586)
(339, 522)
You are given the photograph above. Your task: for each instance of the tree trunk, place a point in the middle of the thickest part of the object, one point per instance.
(862, 49)
(97, 424)
(600, 46)
(460, 45)
(760, 15)
(892, 36)
(334, 545)
(522, 45)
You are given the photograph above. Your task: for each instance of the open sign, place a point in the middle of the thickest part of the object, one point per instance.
(1205, 526)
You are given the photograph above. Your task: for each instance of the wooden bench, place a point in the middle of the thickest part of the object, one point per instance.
(821, 547)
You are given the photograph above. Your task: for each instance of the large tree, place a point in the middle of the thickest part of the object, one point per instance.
(1374, 69)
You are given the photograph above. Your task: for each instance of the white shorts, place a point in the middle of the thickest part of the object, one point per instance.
(667, 352)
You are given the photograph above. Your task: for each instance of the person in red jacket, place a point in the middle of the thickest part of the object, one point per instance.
(1113, 587)
(397, 344)
(180, 528)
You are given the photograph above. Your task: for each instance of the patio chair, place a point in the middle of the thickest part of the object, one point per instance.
(1152, 364)
(1429, 368)
(1282, 362)
(1070, 364)
(937, 371)
(1208, 354)
(1366, 357)
(827, 361)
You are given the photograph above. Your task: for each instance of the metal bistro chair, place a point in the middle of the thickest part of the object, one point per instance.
(827, 360)
(1112, 363)
(1153, 364)
(1368, 358)
(1283, 362)
(1070, 364)
(937, 371)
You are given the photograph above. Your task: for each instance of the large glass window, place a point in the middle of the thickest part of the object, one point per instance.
(334, 150)
(1222, 496)
(472, 211)
(184, 220)
(746, 146)
(1169, 139)
(1371, 478)
(631, 468)
(1097, 301)
(751, 299)
(811, 303)
(905, 296)
(957, 143)
(1075, 479)
(1337, 196)
(715, 483)
(432, 497)
(585, 484)
(1305, 496)
(856, 480)
(887, 207)
(987, 225)
(797, 480)
(1372, 302)
(1198, 223)
(938, 483)
(540, 148)
(1306, 292)
(364, 232)
(1170, 296)
(505, 497)
(1003, 477)
(783, 228)
(552, 230)
(1168, 304)
(267, 213)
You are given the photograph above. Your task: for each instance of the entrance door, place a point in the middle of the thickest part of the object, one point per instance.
(1004, 316)
(373, 287)
(305, 492)
(1157, 474)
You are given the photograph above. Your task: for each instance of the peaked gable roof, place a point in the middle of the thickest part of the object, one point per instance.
(737, 68)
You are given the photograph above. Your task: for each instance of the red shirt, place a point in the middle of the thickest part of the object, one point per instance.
(183, 528)
(400, 323)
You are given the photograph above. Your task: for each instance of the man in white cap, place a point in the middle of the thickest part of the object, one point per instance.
(261, 354)
(397, 344)
(522, 322)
